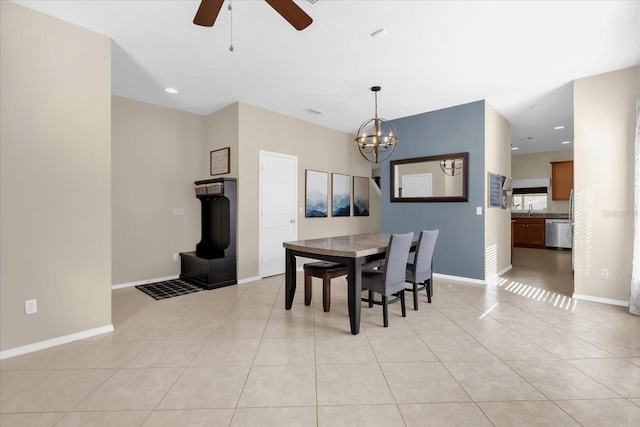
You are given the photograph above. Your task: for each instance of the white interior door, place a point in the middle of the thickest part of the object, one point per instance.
(278, 200)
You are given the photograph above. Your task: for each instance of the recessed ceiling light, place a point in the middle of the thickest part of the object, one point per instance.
(565, 142)
(515, 148)
(313, 111)
(558, 127)
(379, 33)
(171, 90)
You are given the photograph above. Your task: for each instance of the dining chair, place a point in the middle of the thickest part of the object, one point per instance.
(420, 272)
(389, 280)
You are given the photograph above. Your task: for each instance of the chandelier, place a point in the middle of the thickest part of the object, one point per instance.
(376, 137)
(451, 166)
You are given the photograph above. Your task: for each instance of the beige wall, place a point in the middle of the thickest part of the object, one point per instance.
(497, 221)
(222, 130)
(538, 165)
(55, 168)
(157, 154)
(317, 148)
(604, 120)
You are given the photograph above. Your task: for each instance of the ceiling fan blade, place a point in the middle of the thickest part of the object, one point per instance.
(292, 13)
(208, 12)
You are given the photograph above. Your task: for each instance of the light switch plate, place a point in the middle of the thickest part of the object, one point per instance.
(478, 210)
(31, 306)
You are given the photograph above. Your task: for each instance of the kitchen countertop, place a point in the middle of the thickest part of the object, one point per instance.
(547, 215)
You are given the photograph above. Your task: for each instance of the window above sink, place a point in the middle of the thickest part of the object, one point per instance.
(525, 199)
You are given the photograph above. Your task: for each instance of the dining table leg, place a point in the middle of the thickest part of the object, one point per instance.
(289, 278)
(354, 289)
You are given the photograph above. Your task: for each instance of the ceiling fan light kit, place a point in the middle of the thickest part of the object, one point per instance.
(376, 138)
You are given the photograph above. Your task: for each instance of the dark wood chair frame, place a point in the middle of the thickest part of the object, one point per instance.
(325, 271)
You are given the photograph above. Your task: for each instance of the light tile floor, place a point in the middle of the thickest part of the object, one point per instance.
(477, 356)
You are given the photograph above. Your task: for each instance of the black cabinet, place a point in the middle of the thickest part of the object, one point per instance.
(213, 264)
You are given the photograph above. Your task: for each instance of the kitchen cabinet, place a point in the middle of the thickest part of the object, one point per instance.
(561, 180)
(528, 232)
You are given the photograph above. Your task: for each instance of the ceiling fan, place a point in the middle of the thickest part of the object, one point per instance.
(209, 9)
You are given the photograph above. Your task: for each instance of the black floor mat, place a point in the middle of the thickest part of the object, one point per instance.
(168, 289)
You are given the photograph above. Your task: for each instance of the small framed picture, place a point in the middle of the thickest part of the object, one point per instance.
(316, 194)
(340, 195)
(360, 196)
(220, 161)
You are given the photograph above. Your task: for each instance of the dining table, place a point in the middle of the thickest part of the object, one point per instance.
(354, 251)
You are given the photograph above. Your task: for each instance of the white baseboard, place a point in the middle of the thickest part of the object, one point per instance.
(161, 279)
(143, 282)
(256, 278)
(55, 341)
(249, 279)
(601, 300)
(459, 278)
(504, 270)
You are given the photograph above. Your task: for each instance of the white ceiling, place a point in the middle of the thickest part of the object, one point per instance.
(521, 57)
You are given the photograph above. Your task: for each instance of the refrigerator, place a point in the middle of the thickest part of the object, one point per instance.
(573, 239)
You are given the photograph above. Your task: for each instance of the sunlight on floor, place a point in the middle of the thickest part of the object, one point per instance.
(538, 294)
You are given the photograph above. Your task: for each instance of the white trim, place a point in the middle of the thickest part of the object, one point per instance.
(507, 268)
(249, 279)
(143, 282)
(256, 278)
(459, 278)
(55, 341)
(601, 300)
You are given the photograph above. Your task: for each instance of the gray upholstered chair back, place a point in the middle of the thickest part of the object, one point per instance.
(396, 261)
(424, 255)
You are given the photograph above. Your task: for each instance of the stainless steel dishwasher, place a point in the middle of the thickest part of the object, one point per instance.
(558, 234)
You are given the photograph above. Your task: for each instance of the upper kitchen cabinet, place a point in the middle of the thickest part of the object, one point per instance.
(561, 180)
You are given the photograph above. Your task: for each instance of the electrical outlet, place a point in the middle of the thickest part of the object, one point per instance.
(604, 273)
(176, 257)
(31, 306)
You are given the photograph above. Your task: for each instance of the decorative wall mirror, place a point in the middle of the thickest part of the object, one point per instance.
(443, 178)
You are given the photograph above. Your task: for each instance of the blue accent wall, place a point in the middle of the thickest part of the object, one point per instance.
(460, 246)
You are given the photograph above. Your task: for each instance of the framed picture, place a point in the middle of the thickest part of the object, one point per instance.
(316, 194)
(340, 195)
(360, 196)
(220, 161)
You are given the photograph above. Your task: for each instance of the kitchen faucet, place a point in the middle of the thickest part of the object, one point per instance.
(530, 209)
